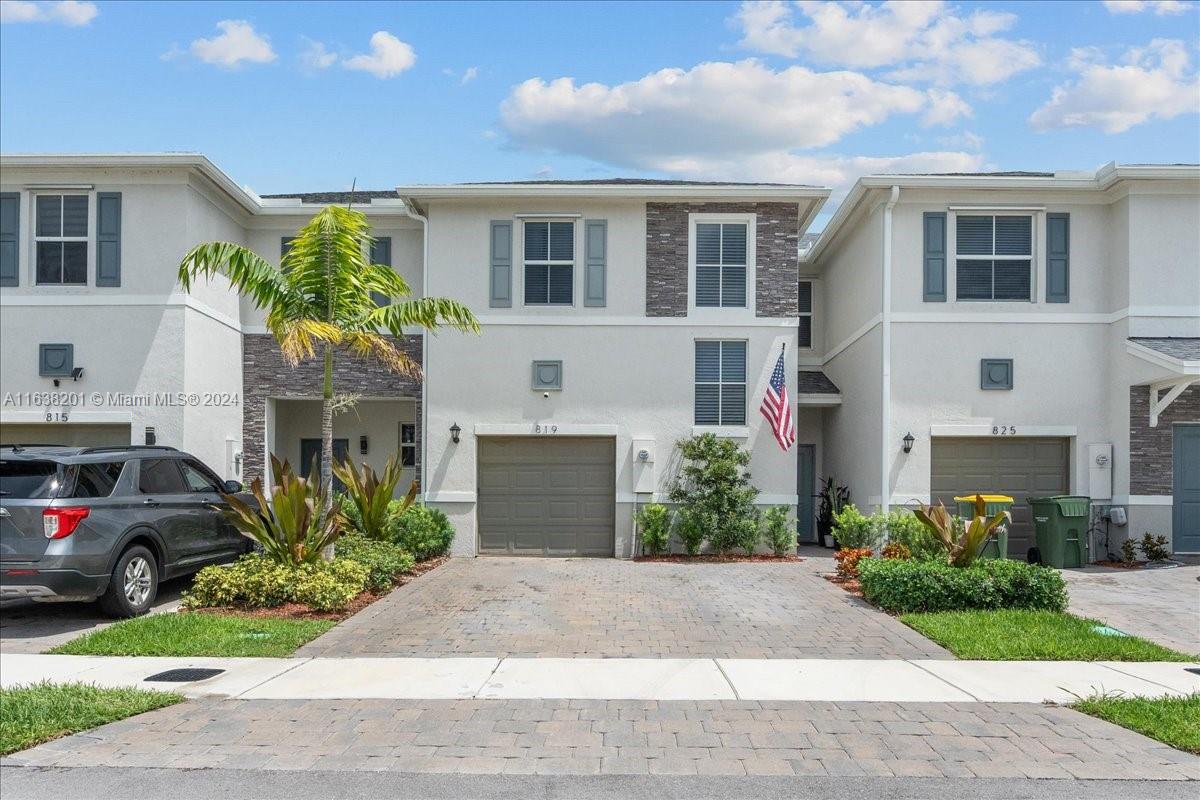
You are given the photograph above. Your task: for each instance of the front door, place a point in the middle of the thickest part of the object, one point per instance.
(310, 458)
(805, 493)
(1185, 524)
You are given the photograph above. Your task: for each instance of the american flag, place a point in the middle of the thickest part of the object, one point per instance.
(777, 409)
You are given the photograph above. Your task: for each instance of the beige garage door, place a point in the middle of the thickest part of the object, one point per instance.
(1018, 467)
(546, 497)
(67, 434)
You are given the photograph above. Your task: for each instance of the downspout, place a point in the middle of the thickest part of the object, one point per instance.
(885, 482)
(410, 211)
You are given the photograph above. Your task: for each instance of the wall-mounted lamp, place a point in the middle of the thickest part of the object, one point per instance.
(364, 444)
(908, 442)
(454, 432)
(76, 373)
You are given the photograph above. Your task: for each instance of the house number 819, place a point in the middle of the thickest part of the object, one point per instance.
(540, 428)
(1004, 430)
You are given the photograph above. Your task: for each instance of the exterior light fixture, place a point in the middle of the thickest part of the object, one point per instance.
(454, 432)
(908, 442)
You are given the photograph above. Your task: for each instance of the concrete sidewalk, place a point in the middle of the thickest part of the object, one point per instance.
(835, 680)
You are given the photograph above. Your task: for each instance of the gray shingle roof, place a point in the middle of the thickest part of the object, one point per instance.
(814, 382)
(1184, 347)
(325, 198)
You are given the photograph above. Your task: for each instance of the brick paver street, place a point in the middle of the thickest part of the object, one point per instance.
(629, 737)
(611, 608)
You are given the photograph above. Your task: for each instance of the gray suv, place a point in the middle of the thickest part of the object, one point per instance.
(108, 523)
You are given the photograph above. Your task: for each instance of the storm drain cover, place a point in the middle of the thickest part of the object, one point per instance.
(186, 675)
(1193, 670)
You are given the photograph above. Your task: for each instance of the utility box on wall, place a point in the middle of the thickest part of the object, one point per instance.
(1100, 464)
(643, 466)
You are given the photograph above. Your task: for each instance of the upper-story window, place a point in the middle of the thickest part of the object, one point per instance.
(720, 395)
(805, 306)
(549, 263)
(721, 262)
(994, 257)
(61, 239)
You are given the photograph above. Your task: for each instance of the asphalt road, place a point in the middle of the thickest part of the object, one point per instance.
(79, 783)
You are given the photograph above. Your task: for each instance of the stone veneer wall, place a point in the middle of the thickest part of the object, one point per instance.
(777, 240)
(267, 375)
(1151, 467)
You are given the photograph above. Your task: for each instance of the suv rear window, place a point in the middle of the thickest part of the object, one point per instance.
(29, 480)
(96, 480)
(160, 476)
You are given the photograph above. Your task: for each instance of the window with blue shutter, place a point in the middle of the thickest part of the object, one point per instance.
(61, 239)
(720, 397)
(595, 277)
(804, 334)
(108, 239)
(993, 257)
(500, 271)
(934, 271)
(10, 226)
(1058, 258)
(549, 263)
(381, 253)
(721, 256)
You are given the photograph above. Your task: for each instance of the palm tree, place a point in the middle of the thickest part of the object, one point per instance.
(320, 297)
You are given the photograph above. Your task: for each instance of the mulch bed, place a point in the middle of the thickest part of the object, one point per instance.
(713, 558)
(851, 585)
(1120, 564)
(300, 611)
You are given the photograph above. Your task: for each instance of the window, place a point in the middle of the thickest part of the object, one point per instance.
(96, 480)
(408, 445)
(160, 476)
(199, 479)
(994, 257)
(29, 480)
(720, 383)
(805, 308)
(721, 264)
(61, 239)
(549, 263)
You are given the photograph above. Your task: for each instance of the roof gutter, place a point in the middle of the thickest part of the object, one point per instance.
(886, 449)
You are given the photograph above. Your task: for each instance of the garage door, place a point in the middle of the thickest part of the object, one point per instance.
(1014, 466)
(546, 497)
(72, 435)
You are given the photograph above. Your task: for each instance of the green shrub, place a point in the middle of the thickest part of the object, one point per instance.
(425, 532)
(907, 586)
(654, 522)
(904, 528)
(853, 530)
(255, 581)
(779, 530)
(370, 495)
(746, 532)
(693, 526)
(713, 482)
(383, 560)
(1155, 548)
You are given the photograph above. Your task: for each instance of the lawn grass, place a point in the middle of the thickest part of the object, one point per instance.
(1010, 635)
(197, 634)
(1170, 720)
(30, 715)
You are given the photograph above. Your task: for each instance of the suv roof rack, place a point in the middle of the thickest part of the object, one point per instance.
(117, 447)
(22, 445)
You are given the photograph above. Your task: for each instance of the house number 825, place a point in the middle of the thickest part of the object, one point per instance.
(1004, 430)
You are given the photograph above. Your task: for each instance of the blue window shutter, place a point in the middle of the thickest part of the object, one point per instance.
(10, 225)
(934, 223)
(595, 280)
(108, 239)
(500, 294)
(381, 253)
(1058, 258)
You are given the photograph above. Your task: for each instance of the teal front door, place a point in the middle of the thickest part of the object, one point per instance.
(1185, 524)
(806, 530)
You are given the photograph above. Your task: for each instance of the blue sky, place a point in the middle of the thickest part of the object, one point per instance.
(312, 95)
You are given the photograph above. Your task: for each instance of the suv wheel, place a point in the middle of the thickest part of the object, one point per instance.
(133, 585)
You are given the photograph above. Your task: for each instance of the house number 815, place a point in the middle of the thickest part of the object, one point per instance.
(1004, 430)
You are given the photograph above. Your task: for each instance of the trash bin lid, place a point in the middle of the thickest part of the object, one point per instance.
(1069, 505)
(987, 498)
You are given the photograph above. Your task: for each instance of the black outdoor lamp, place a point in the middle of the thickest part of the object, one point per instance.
(454, 432)
(908, 442)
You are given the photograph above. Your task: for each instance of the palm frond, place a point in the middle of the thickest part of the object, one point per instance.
(247, 272)
(366, 344)
(298, 337)
(429, 313)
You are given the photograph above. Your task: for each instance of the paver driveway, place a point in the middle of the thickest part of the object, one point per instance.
(1162, 605)
(611, 608)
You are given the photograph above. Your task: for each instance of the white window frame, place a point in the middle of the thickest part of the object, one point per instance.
(719, 383)
(87, 240)
(551, 262)
(1032, 258)
(750, 220)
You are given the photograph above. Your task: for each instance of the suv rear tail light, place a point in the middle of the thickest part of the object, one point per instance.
(59, 523)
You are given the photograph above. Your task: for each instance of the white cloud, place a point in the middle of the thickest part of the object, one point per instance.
(470, 74)
(73, 13)
(315, 56)
(388, 57)
(944, 108)
(962, 141)
(923, 40)
(1159, 7)
(237, 42)
(1152, 82)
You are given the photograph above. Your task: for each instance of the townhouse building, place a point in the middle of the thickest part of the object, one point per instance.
(1034, 333)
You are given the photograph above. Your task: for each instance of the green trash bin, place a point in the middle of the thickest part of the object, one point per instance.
(997, 545)
(1060, 524)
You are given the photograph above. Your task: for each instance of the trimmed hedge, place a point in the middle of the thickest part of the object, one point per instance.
(907, 586)
(384, 560)
(254, 581)
(425, 532)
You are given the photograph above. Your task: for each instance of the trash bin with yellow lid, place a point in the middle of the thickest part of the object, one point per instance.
(996, 546)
